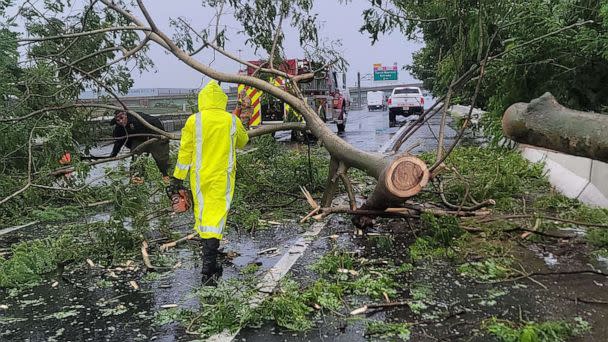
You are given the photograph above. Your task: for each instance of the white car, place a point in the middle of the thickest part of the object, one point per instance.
(404, 101)
(376, 100)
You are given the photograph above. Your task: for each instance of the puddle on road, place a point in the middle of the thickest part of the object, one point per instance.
(549, 258)
(603, 262)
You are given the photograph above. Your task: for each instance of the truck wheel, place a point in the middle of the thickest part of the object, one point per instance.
(392, 118)
(341, 127)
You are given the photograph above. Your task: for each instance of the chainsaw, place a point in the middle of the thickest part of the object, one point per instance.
(181, 198)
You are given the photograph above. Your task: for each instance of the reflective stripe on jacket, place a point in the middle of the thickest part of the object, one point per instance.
(208, 150)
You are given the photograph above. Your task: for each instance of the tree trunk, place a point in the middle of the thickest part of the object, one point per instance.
(545, 123)
(403, 177)
(400, 178)
(269, 129)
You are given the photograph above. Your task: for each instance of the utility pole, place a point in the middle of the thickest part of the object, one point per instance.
(359, 88)
(240, 65)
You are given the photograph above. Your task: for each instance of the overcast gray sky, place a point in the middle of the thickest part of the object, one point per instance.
(339, 21)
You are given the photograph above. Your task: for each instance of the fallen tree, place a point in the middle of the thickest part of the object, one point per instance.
(388, 170)
(545, 123)
(131, 29)
(399, 176)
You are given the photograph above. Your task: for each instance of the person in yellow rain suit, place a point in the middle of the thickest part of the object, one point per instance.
(208, 150)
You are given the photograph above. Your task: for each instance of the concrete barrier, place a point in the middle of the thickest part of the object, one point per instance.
(575, 177)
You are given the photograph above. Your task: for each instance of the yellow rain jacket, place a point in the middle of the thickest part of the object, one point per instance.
(208, 149)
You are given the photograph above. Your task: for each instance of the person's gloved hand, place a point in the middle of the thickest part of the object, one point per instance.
(175, 185)
(180, 197)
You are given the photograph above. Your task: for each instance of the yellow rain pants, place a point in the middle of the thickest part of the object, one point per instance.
(208, 150)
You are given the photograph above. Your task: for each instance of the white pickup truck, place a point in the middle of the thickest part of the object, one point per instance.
(404, 101)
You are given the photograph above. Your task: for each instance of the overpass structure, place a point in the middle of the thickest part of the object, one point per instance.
(385, 87)
(157, 100)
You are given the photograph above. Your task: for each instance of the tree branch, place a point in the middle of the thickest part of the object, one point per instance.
(544, 217)
(534, 40)
(16, 193)
(397, 212)
(133, 113)
(331, 185)
(133, 152)
(349, 190)
(91, 55)
(473, 102)
(29, 170)
(393, 14)
(351, 156)
(276, 40)
(235, 58)
(86, 33)
(268, 129)
(422, 119)
(464, 78)
(474, 207)
(444, 113)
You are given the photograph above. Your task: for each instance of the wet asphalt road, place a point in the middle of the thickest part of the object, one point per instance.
(369, 131)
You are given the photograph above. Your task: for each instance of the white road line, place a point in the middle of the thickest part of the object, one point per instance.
(12, 229)
(272, 277)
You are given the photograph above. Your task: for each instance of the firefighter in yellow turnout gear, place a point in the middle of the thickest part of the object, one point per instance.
(208, 150)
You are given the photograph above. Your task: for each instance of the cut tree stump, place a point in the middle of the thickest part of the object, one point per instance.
(545, 123)
(406, 176)
(402, 177)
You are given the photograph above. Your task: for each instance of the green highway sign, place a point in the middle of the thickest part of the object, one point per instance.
(388, 75)
(384, 73)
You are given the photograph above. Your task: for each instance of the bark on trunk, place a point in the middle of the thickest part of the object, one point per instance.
(332, 185)
(545, 123)
(269, 129)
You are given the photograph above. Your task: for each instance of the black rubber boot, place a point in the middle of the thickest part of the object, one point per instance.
(211, 270)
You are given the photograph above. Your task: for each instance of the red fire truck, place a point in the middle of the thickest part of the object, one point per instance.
(323, 93)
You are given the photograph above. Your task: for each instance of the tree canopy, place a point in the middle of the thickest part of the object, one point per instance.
(52, 51)
(570, 63)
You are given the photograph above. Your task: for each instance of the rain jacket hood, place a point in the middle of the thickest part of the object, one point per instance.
(212, 97)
